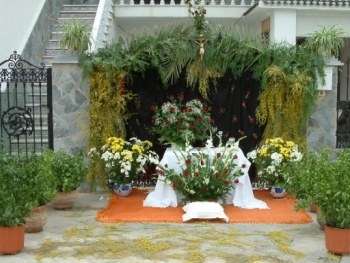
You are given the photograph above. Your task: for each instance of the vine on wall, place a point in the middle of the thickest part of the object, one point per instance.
(282, 105)
(108, 112)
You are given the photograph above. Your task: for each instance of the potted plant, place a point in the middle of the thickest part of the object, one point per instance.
(332, 195)
(177, 123)
(301, 178)
(16, 203)
(75, 37)
(69, 172)
(124, 161)
(43, 189)
(326, 42)
(270, 157)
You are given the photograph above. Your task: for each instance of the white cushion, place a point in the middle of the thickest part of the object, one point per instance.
(204, 210)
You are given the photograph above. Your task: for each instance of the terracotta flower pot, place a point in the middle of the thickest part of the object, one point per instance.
(313, 208)
(11, 239)
(337, 240)
(37, 220)
(63, 200)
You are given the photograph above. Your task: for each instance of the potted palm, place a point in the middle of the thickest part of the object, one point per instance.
(75, 37)
(69, 172)
(326, 42)
(43, 189)
(17, 201)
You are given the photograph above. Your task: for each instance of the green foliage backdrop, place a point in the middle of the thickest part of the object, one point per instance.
(287, 74)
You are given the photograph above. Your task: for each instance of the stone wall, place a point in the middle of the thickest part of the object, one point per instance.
(323, 121)
(70, 96)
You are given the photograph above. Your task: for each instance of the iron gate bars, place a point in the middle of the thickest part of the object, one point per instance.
(25, 106)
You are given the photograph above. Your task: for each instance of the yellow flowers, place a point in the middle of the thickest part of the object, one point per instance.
(137, 148)
(115, 144)
(125, 160)
(271, 156)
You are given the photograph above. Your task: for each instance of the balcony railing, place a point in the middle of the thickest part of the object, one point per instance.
(182, 2)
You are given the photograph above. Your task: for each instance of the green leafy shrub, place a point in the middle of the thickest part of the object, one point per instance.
(16, 190)
(69, 170)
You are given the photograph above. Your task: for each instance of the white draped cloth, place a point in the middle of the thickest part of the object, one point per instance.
(241, 195)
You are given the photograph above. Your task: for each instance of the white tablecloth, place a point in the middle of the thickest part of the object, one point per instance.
(241, 196)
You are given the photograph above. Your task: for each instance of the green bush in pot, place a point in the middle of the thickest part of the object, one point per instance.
(39, 169)
(332, 191)
(328, 181)
(17, 201)
(69, 171)
(300, 177)
(16, 191)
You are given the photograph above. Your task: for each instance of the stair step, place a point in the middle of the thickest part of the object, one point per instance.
(53, 52)
(78, 14)
(79, 8)
(30, 148)
(65, 20)
(30, 140)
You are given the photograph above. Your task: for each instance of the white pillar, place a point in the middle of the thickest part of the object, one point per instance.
(283, 26)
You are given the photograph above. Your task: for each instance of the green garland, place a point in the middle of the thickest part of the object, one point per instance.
(108, 113)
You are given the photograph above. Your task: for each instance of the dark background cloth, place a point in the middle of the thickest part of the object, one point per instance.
(233, 104)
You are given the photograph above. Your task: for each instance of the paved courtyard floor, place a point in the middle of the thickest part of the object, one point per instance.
(74, 236)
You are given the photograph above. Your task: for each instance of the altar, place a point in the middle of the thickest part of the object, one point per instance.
(240, 196)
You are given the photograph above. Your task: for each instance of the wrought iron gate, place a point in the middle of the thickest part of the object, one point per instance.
(25, 106)
(343, 112)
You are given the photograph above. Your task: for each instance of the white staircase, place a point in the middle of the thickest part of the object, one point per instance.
(85, 13)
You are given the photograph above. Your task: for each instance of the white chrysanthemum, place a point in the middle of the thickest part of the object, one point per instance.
(270, 169)
(252, 155)
(107, 156)
(296, 156)
(276, 158)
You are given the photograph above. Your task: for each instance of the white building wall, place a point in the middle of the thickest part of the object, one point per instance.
(17, 19)
(283, 26)
(307, 23)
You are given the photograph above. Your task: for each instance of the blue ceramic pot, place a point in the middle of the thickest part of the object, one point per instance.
(122, 190)
(278, 192)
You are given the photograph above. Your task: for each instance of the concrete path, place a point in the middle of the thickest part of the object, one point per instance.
(74, 236)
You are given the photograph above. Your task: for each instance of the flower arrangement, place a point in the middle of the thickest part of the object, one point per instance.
(198, 12)
(125, 160)
(204, 177)
(270, 158)
(178, 123)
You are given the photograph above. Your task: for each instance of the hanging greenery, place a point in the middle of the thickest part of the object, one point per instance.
(288, 76)
(108, 113)
(204, 54)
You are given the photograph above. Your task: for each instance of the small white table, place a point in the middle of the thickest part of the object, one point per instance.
(241, 196)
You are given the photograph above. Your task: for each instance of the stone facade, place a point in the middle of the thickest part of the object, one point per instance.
(323, 121)
(70, 96)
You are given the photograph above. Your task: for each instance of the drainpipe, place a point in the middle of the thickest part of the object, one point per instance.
(250, 9)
